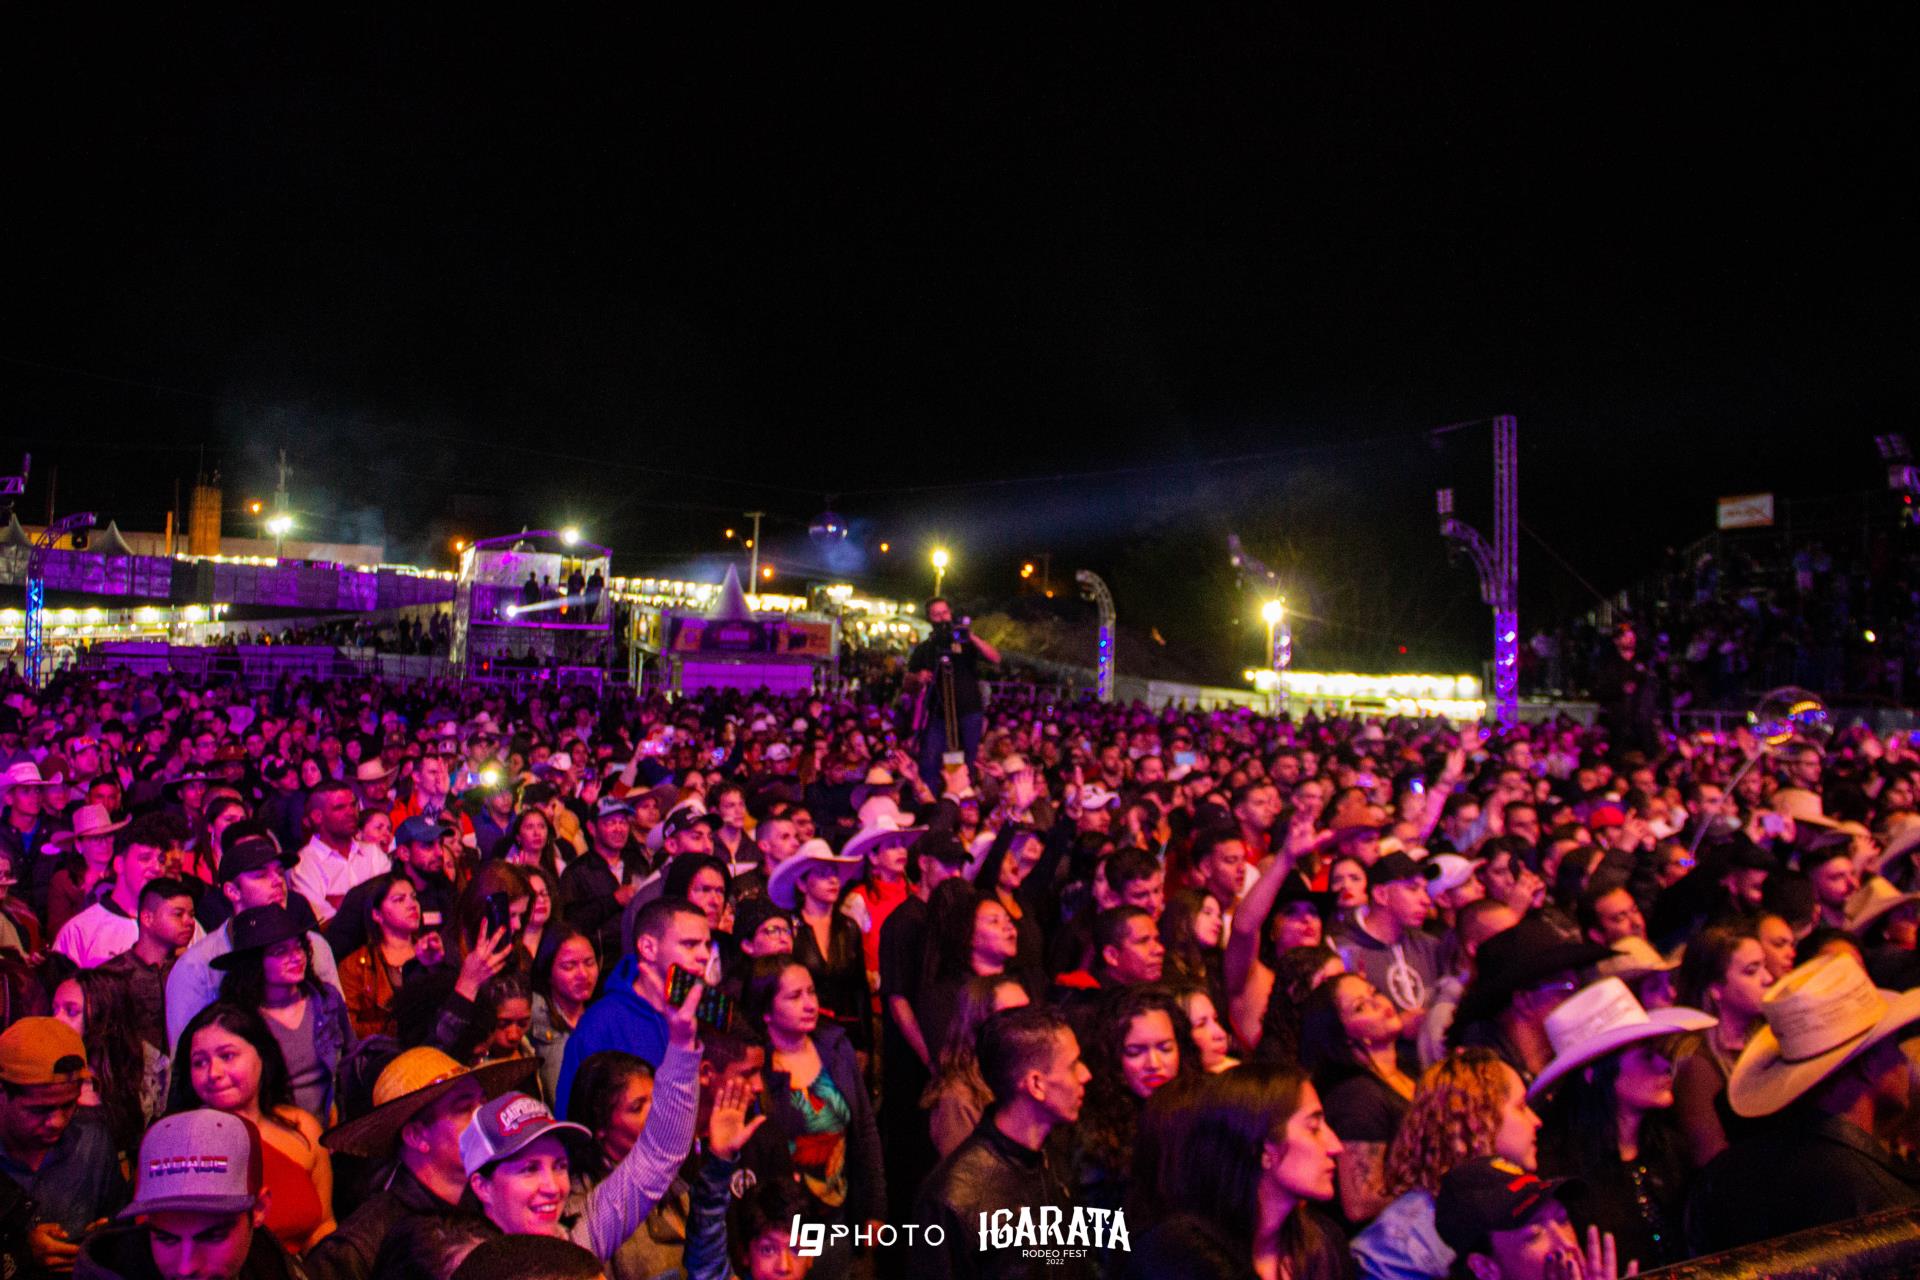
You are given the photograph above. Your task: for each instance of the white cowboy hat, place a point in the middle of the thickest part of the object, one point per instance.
(783, 886)
(1820, 1017)
(27, 774)
(1899, 839)
(373, 770)
(885, 829)
(1601, 1018)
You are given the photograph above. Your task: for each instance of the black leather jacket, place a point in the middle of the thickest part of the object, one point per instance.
(349, 1253)
(988, 1172)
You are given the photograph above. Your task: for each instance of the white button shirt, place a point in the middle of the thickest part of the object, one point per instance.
(323, 874)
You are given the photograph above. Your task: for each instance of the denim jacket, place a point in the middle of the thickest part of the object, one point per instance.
(1402, 1243)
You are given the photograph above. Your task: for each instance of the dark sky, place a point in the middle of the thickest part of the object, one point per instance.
(475, 272)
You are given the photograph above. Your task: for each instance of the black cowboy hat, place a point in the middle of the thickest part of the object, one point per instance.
(256, 929)
(1515, 959)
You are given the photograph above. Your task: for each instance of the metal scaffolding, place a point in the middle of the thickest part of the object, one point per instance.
(1092, 588)
(1498, 565)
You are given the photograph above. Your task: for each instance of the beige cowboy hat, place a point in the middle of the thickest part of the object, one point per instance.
(27, 774)
(1634, 957)
(373, 771)
(1600, 1019)
(1898, 839)
(1875, 898)
(1805, 809)
(88, 820)
(1820, 1017)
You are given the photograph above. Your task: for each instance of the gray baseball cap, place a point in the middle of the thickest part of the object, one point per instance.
(198, 1162)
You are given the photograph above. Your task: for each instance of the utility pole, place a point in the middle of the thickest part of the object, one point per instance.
(753, 551)
(1498, 565)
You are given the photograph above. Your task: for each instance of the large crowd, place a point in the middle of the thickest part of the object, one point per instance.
(351, 979)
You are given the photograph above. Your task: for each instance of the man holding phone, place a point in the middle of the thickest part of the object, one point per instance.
(633, 1014)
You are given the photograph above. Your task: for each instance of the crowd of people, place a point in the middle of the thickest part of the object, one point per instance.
(348, 979)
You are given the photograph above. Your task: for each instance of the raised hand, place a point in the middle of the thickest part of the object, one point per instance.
(728, 1127)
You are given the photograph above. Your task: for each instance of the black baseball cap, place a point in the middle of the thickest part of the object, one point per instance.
(250, 851)
(1398, 866)
(686, 820)
(1489, 1194)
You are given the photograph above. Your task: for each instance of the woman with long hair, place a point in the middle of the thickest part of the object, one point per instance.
(1724, 972)
(370, 976)
(957, 1097)
(1226, 1189)
(539, 911)
(969, 935)
(1193, 929)
(1610, 1122)
(1468, 1104)
(1349, 1038)
(129, 1082)
(1205, 1027)
(1140, 1044)
(566, 977)
(1296, 973)
(816, 1097)
(270, 969)
(228, 1060)
(1007, 876)
(529, 844)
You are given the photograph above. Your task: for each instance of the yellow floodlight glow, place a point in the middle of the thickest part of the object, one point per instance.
(940, 558)
(1272, 611)
(570, 535)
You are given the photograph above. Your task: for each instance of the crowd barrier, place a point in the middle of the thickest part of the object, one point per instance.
(1880, 1245)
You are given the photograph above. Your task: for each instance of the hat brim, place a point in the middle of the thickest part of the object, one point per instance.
(868, 843)
(232, 959)
(1486, 996)
(1763, 1082)
(187, 1204)
(60, 839)
(565, 1130)
(783, 884)
(1898, 846)
(1660, 1022)
(373, 1134)
(1879, 907)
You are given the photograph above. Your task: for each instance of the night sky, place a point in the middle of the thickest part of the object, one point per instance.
(1071, 283)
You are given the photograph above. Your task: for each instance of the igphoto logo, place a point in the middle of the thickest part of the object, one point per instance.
(810, 1239)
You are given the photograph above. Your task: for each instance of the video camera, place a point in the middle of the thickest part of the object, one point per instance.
(953, 636)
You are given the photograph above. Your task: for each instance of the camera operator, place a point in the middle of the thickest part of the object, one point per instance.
(952, 648)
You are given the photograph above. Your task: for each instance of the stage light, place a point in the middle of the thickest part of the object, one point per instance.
(280, 526)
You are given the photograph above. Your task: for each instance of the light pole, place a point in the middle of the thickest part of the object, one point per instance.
(1279, 644)
(753, 547)
(940, 560)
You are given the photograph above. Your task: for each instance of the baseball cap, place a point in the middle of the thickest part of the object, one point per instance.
(197, 1162)
(420, 829)
(685, 819)
(1492, 1194)
(42, 1051)
(612, 807)
(777, 752)
(250, 853)
(1398, 866)
(1095, 796)
(1452, 871)
(507, 1124)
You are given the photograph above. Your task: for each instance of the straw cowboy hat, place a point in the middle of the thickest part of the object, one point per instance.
(1601, 1018)
(88, 820)
(1805, 809)
(1899, 839)
(1819, 1018)
(1875, 899)
(1634, 957)
(410, 1083)
(784, 885)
